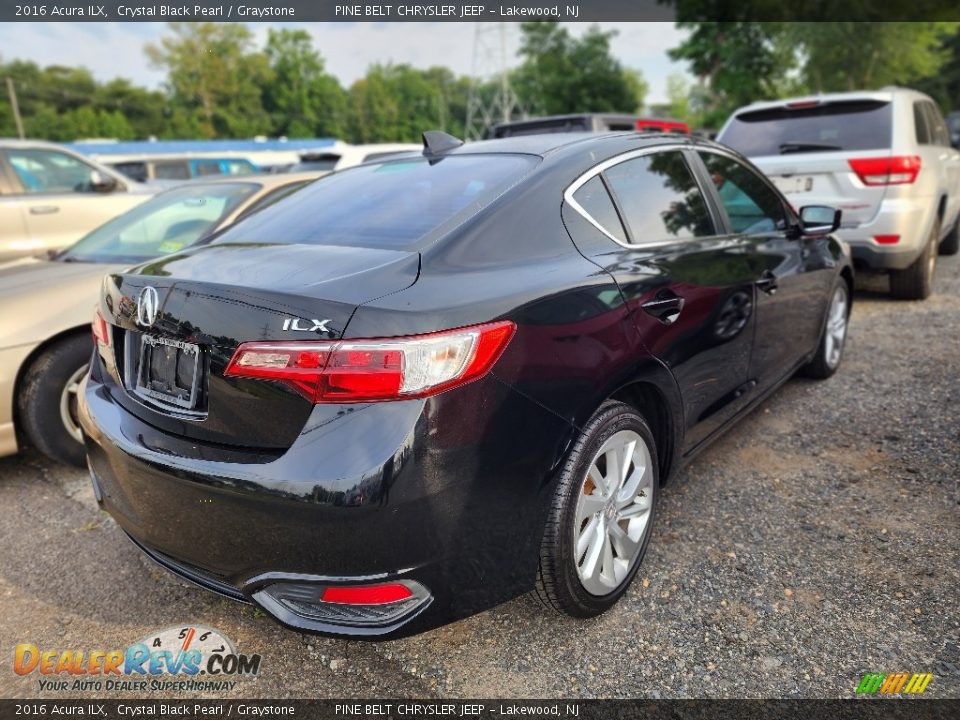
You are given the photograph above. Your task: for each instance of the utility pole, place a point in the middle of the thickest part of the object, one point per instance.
(490, 54)
(12, 91)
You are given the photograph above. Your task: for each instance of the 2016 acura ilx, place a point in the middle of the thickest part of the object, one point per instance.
(427, 385)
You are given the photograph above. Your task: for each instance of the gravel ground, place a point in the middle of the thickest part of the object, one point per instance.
(817, 541)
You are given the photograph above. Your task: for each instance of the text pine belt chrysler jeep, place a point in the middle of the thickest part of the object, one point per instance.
(883, 158)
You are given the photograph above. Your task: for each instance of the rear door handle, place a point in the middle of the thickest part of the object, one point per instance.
(767, 282)
(44, 209)
(665, 307)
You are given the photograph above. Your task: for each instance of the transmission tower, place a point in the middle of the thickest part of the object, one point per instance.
(489, 72)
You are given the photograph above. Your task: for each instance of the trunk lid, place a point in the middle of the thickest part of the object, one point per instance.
(209, 301)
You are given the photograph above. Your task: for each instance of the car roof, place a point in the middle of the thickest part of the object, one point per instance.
(561, 143)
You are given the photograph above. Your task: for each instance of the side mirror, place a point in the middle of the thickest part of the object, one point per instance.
(819, 220)
(102, 183)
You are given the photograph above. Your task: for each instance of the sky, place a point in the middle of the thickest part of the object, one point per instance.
(112, 50)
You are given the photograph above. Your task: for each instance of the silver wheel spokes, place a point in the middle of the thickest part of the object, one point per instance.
(613, 512)
(68, 404)
(836, 332)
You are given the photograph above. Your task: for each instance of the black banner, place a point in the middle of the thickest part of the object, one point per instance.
(520, 11)
(859, 709)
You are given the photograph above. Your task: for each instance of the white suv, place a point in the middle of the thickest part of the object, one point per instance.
(883, 157)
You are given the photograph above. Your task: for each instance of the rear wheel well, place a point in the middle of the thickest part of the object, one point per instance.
(847, 275)
(650, 402)
(30, 360)
(942, 207)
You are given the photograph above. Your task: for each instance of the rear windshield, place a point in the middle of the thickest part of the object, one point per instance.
(390, 205)
(852, 125)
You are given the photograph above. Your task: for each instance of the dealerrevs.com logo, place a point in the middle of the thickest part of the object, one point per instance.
(186, 658)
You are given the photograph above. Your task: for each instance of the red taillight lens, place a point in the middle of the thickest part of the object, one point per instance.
(101, 331)
(367, 594)
(886, 239)
(891, 170)
(375, 370)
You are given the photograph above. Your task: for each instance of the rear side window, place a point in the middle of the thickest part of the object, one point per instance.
(937, 127)
(921, 125)
(390, 205)
(595, 201)
(659, 198)
(848, 125)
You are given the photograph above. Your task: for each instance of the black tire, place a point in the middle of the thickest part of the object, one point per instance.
(558, 585)
(951, 243)
(916, 282)
(824, 363)
(40, 394)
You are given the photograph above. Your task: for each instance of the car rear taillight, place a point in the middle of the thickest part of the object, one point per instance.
(101, 331)
(366, 594)
(345, 371)
(891, 170)
(886, 239)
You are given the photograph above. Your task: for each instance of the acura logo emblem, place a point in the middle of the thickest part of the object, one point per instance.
(148, 302)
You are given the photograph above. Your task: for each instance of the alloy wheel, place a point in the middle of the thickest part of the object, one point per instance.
(613, 512)
(836, 333)
(68, 404)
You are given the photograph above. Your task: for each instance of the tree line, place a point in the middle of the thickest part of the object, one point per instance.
(219, 84)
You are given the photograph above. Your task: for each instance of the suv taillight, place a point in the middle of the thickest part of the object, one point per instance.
(344, 371)
(890, 170)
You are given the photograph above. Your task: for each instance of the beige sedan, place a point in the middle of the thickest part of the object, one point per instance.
(46, 304)
(50, 196)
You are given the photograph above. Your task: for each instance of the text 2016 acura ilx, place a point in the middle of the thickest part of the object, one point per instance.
(427, 385)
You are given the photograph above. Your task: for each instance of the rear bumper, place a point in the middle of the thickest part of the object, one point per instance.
(445, 494)
(907, 218)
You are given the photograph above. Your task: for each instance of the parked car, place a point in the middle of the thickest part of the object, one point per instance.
(882, 157)
(45, 303)
(343, 156)
(177, 169)
(426, 385)
(577, 122)
(953, 126)
(661, 125)
(51, 196)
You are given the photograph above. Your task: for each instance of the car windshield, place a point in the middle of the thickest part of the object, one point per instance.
(164, 224)
(394, 204)
(847, 125)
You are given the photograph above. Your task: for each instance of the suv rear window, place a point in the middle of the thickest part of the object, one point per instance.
(847, 125)
(389, 205)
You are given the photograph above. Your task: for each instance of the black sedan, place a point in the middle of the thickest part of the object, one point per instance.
(427, 385)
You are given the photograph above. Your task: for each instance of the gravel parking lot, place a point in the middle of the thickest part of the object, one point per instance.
(817, 541)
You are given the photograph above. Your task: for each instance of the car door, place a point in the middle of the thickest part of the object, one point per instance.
(792, 274)
(14, 239)
(59, 200)
(688, 284)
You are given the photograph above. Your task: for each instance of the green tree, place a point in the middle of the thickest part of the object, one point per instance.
(214, 72)
(396, 103)
(841, 56)
(562, 74)
(738, 62)
(944, 83)
(302, 98)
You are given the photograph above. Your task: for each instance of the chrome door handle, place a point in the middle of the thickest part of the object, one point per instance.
(665, 307)
(44, 210)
